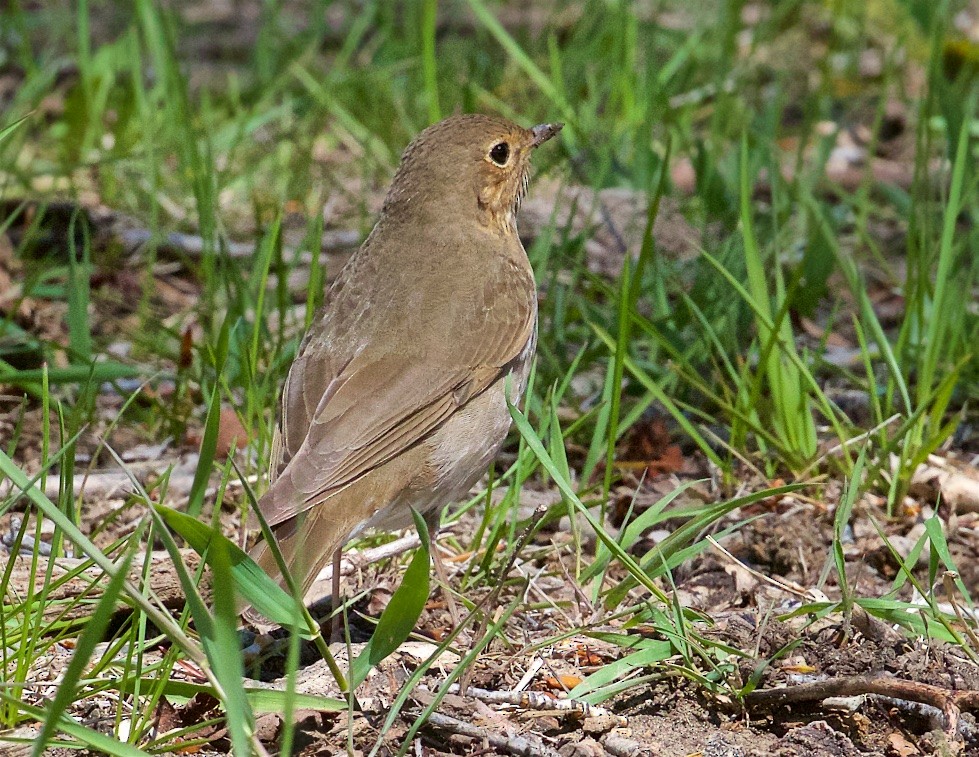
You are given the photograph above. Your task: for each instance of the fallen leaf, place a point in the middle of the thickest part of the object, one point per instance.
(232, 435)
(562, 682)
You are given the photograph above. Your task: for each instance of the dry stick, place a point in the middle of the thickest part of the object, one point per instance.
(538, 700)
(926, 712)
(354, 559)
(790, 587)
(336, 622)
(547, 599)
(516, 745)
(948, 581)
(493, 596)
(357, 558)
(28, 545)
(580, 596)
(536, 663)
(443, 578)
(837, 448)
(950, 703)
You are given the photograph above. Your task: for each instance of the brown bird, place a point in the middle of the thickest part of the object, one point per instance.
(396, 397)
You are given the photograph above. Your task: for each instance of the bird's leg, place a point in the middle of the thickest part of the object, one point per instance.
(433, 519)
(336, 623)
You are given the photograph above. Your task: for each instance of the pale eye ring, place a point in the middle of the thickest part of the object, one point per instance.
(500, 153)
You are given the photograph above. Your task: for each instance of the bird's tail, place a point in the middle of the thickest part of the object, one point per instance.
(307, 543)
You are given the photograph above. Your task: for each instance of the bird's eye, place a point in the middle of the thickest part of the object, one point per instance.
(500, 153)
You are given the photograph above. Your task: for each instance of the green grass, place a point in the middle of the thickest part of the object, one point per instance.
(114, 105)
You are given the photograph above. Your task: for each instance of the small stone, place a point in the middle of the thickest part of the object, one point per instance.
(599, 724)
(267, 727)
(587, 747)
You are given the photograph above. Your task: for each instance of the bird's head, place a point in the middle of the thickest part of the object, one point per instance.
(473, 165)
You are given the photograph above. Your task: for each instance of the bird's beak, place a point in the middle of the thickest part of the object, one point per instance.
(543, 132)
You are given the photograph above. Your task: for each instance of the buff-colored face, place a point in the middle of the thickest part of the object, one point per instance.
(505, 171)
(474, 162)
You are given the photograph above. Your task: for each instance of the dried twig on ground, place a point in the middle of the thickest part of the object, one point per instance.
(537, 700)
(517, 745)
(949, 703)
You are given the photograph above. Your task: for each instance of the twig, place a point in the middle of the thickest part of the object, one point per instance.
(516, 745)
(837, 448)
(27, 542)
(354, 559)
(949, 703)
(917, 710)
(535, 665)
(538, 700)
(948, 581)
(808, 595)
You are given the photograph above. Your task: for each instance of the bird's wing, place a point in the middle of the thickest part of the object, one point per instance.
(342, 421)
(313, 378)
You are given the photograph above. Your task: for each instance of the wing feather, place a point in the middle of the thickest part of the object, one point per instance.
(343, 416)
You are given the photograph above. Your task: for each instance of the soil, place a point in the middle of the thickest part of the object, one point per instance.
(670, 714)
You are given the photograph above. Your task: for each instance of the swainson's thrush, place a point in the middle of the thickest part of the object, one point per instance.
(396, 397)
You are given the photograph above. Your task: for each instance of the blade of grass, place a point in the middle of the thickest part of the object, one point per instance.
(513, 49)
(528, 434)
(162, 620)
(402, 612)
(85, 646)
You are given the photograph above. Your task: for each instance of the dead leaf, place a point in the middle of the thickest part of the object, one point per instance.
(562, 682)
(167, 718)
(816, 331)
(900, 746)
(648, 447)
(232, 435)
